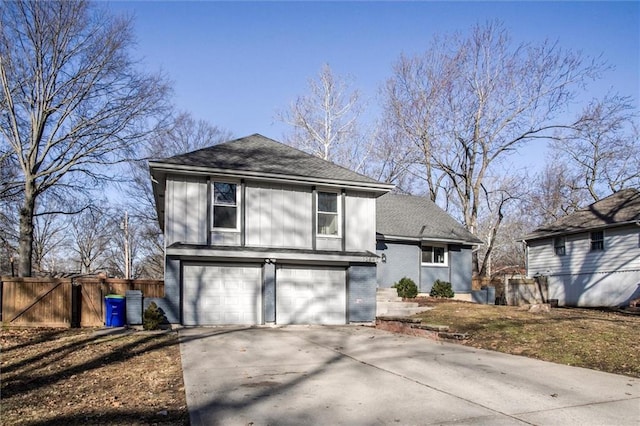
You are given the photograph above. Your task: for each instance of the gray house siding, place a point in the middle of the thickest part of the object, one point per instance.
(461, 273)
(269, 293)
(170, 303)
(458, 272)
(403, 259)
(400, 260)
(430, 274)
(361, 293)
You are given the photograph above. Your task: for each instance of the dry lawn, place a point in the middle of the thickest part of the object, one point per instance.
(73, 377)
(596, 339)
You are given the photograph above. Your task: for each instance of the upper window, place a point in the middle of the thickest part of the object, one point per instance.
(225, 206)
(597, 241)
(328, 217)
(559, 245)
(434, 255)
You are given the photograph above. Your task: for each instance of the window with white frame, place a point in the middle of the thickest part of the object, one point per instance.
(559, 246)
(434, 255)
(597, 241)
(225, 206)
(328, 216)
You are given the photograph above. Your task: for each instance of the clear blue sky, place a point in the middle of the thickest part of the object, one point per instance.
(235, 63)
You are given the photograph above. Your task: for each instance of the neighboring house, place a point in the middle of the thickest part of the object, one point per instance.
(592, 256)
(259, 232)
(417, 239)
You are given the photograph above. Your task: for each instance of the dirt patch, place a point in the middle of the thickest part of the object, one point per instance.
(591, 338)
(62, 376)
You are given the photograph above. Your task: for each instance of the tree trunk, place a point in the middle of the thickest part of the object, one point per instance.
(25, 249)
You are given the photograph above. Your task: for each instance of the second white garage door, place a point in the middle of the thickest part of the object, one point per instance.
(310, 295)
(222, 294)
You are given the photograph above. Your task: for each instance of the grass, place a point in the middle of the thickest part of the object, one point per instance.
(77, 377)
(596, 339)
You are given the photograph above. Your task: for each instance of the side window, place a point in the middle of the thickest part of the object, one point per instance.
(597, 241)
(434, 255)
(559, 246)
(225, 206)
(328, 217)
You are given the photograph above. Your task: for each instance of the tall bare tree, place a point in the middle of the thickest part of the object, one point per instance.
(602, 151)
(468, 102)
(324, 122)
(184, 134)
(90, 239)
(73, 100)
(48, 237)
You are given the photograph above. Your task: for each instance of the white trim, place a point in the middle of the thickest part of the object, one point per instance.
(435, 264)
(338, 214)
(238, 206)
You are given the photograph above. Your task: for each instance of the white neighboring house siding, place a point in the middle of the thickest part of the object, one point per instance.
(186, 210)
(583, 277)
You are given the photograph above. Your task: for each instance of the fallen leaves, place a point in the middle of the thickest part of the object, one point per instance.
(75, 377)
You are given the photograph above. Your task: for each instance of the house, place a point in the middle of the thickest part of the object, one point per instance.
(259, 232)
(591, 257)
(417, 239)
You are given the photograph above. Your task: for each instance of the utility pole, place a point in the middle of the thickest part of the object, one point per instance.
(124, 225)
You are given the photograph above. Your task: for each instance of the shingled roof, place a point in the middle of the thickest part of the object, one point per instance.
(623, 207)
(409, 216)
(257, 154)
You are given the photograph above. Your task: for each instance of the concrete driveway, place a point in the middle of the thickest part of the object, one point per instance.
(354, 375)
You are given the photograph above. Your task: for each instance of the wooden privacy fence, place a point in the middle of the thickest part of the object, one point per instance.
(66, 302)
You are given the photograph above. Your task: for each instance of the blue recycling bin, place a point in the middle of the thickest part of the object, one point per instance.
(116, 310)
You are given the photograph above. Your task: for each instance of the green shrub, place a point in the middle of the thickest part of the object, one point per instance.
(152, 317)
(406, 288)
(441, 289)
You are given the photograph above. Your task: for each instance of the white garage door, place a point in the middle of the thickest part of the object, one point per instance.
(222, 294)
(311, 295)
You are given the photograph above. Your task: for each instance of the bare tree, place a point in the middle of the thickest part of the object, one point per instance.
(553, 192)
(184, 134)
(603, 150)
(90, 239)
(49, 235)
(324, 122)
(72, 99)
(472, 101)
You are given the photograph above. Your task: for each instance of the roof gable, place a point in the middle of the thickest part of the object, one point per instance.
(261, 155)
(620, 208)
(413, 217)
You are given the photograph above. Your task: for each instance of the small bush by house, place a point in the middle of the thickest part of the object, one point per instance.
(152, 317)
(441, 289)
(406, 288)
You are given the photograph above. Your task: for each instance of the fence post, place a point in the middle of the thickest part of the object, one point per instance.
(75, 303)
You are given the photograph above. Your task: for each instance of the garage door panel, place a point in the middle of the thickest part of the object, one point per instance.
(310, 295)
(219, 295)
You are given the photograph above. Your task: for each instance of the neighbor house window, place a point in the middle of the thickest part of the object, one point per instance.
(328, 217)
(225, 206)
(434, 255)
(597, 241)
(559, 245)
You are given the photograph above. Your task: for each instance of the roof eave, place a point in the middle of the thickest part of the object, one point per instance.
(377, 187)
(533, 236)
(422, 238)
